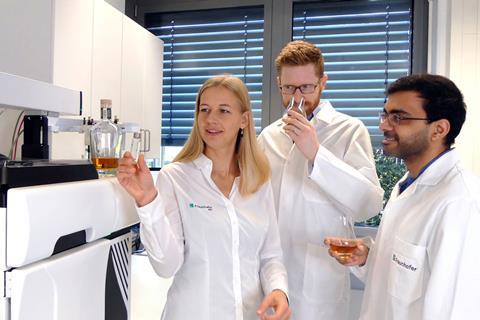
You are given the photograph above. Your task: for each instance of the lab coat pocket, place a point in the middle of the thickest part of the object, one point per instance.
(407, 268)
(325, 280)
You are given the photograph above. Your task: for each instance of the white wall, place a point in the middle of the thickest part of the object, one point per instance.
(455, 53)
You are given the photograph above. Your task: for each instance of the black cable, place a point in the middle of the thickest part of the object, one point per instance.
(16, 142)
(14, 134)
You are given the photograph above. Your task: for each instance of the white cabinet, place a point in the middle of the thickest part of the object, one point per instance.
(133, 59)
(142, 63)
(90, 46)
(152, 91)
(106, 57)
(72, 47)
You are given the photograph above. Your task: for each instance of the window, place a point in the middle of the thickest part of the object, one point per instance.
(199, 45)
(366, 45)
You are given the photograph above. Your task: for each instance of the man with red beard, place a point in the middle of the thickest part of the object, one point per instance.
(424, 263)
(322, 170)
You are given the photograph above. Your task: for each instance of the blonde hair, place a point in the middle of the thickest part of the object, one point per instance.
(300, 53)
(253, 164)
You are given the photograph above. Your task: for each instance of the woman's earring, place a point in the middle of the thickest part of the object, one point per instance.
(241, 132)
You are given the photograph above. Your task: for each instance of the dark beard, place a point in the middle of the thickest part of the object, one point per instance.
(408, 149)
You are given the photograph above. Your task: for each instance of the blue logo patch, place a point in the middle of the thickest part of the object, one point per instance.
(199, 206)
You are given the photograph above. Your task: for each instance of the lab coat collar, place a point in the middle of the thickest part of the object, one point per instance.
(430, 177)
(325, 112)
(438, 169)
(203, 163)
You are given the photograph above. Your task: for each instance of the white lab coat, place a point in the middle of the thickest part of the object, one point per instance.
(425, 261)
(309, 204)
(224, 252)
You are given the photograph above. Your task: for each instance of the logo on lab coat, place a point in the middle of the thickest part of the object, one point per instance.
(200, 206)
(403, 264)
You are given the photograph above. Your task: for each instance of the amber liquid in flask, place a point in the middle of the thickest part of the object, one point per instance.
(105, 163)
(344, 248)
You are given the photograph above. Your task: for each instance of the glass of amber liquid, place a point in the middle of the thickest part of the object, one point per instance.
(344, 243)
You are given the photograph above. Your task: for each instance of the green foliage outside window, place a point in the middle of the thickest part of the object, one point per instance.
(389, 171)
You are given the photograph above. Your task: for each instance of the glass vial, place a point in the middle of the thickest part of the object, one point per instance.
(135, 146)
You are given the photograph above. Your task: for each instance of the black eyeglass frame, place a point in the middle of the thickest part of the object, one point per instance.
(291, 92)
(396, 118)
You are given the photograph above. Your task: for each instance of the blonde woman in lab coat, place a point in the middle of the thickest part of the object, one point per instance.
(210, 221)
(322, 171)
(424, 263)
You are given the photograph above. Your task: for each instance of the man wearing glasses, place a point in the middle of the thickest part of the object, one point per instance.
(424, 263)
(322, 170)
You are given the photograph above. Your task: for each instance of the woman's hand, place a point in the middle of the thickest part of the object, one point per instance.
(277, 300)
(136, 179)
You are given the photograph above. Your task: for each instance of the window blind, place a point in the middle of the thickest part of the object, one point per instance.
(366, 46)
(202, 44)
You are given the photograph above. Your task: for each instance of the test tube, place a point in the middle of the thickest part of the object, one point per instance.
(135, 146)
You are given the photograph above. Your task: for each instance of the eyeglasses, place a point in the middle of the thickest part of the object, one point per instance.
(394, 119)
(304, 88)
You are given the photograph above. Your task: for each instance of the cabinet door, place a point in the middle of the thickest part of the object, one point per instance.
(133, 46)
(72, 66)
(152, 99)
(107, 57)
(72, 47)
(142, 62)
